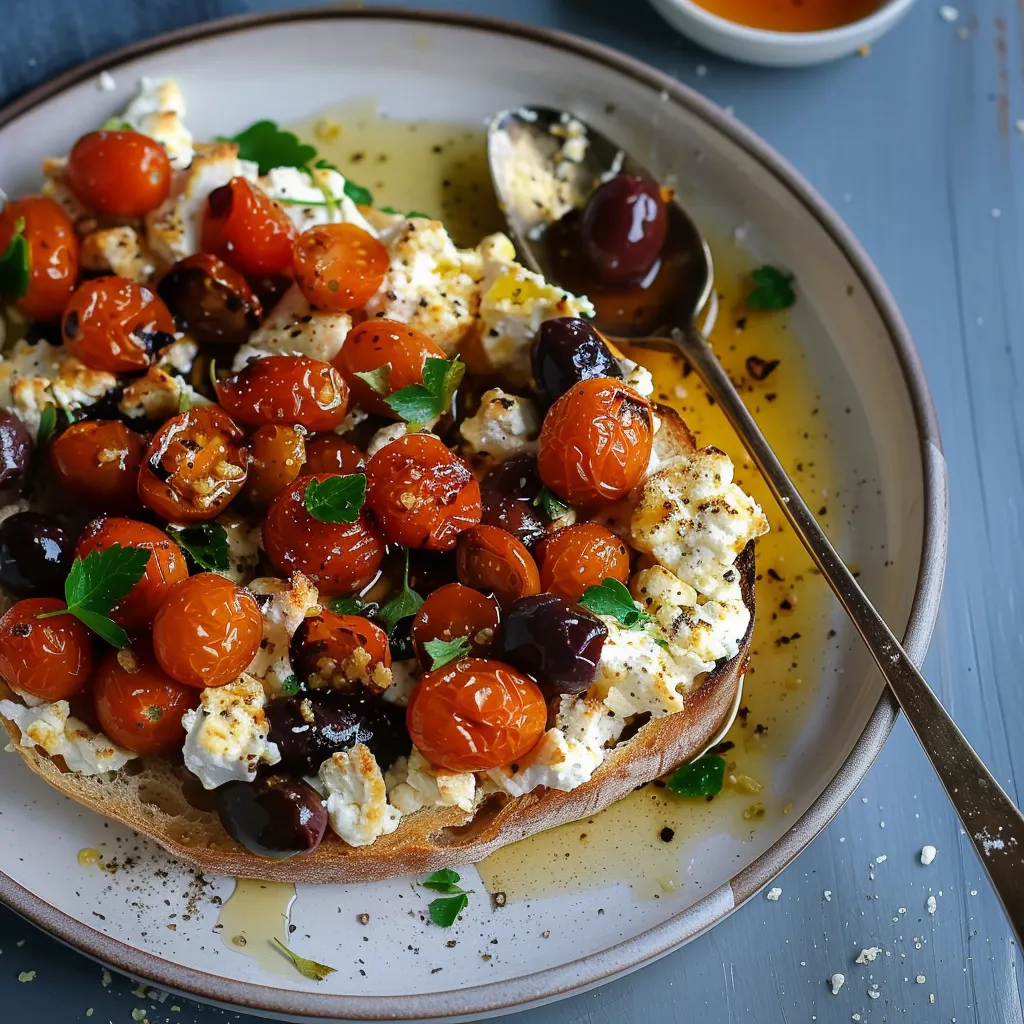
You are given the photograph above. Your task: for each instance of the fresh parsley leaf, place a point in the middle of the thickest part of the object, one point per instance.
(337, 499)
(117, 124)
(445, 881)
(416, 213)
(205, 543)
(47, 424)
(290, 685)
(774, 289)
(15, 264)
(352, 606)
(184, 401)
(550, 504)
(411, 213)
(269, 146)
(418, 403)
(405, 603)
(359, 195)
(703, 777)
(387, 209)
(444, 651)
(102, 625)
(610, 597)
(307, 968)
(69, 413)
(378, 380)
(445, 910)
(662, 643)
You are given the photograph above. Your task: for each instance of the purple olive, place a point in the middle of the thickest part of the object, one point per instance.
(276, 816)
(567, 351)
(15, 457)
(35, 555)
(507, 493)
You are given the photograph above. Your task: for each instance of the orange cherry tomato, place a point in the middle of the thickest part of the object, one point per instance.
(421, 494)
(475, 714)
(248, 230)
(454, 611)
(339, 651)
(581, 556)
(166, 565)
(339, 266)
(276, 457)
(207, 631)
(48, 658)
(596, 442)
(114, 324)
(375, 343)
(340, 558)
(491, 559)
(119, 173)
(194, 465)
(98, 461)
(332, 454)
(138, 705)
(288, 390)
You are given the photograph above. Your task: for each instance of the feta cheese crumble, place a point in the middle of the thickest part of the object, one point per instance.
(928, 855)
(837, 981)
(157, 111)
(283, 605)
(504, 426)
(869, 955)
(357, 802)
(773, 894)
(413, 783)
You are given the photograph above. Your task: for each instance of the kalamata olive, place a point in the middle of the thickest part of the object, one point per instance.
(556, 642)
(35, 555)
(15, 457)
(276, 816)
(309, 727)
(623, 229)
(567, 351)
(507, 493)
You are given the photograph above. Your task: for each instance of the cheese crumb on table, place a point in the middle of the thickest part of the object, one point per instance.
(927, 855)
(869, 955)
(773, 894)
(837, 981)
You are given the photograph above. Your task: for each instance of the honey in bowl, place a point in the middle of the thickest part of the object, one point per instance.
(791, 15)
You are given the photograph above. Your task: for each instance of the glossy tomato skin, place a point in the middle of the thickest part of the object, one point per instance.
(378, 342)
(53, 254)
(114, 324)
(194, 466)
(340, 652)
(166, 566)
(581, 556)
(249, 231)
(421, 495)
(48, 658)
(98, 461)
(119, 173)
(207, 631)
(138, 705)
(340, 558)
(454, 611)
(475, 714)
(491, 559)
(332, 454)
(596, 442)
(339, 266)
(276, 457)
(286, 390)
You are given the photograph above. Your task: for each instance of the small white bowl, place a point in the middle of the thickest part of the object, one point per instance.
(777, 49)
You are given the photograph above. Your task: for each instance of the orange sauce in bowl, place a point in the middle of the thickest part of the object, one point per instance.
(791, 15)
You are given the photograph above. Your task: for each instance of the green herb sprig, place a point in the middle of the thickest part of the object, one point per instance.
(703, 777)
(550, 504)
(405, 603)
(610, 597)
(338, 499)
(307, 968)
(774, 289)
(444, 911)
(205, 543)
(15, 264)
(443, 652)
(419, 403)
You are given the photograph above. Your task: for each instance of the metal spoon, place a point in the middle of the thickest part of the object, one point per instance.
(529, 164)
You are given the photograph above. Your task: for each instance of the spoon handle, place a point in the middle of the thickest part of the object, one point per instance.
(990, 818)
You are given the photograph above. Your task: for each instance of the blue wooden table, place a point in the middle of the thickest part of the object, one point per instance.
(920, 146)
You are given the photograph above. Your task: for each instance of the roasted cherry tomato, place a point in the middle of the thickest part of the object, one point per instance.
(207, 631)
(596, 442)
(119, 173)
(451, 612)
(52, 254)
(276, 457)
(138, 705)
(247, 229)
(378, 343)
(114, 324)
(581, 556)
(421, 494)
(166, 565)
(339, 266)
(341, 652)
(48, 658)
(332, 454)
(340, 558)
(287, 390)
(475, 714)
(194, 466)
(98, 461)
(493, 560)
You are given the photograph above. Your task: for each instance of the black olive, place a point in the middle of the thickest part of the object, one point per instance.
(508, 492)
(35, 555)
(567, 351)
(276, 816)
(556, 642)
(15, 457)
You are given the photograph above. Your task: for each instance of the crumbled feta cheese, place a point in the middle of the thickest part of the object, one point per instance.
(930, 905)
(105, 82)
(243, 547)
(157, 111)
(357, 802)
(383, 437)
(404, 677)
(57, 189)
(574, 148)
(301, 195)
(413, 783)
(635, 674)
(117, 250)
(869, 955)
(556, 762)
(178, 356)
(928, 855)
(773, 894)
(504, 425)
(638, 377)
(283, 604)
(948, 14)
(156, 395)
(837, 981)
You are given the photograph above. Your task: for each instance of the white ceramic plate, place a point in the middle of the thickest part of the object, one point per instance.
(288, 67)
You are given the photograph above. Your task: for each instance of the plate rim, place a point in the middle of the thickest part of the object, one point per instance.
(628, 955)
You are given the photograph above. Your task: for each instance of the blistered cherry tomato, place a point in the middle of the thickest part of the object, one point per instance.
(288, 390)
(52, 254)
(166, 565)
(475, 714)
(276, 457)
(248, 230)
(207, 631)
(114, 324)
(339, 266)
(340, 651)
(421, 494)
(119, 173)
(48, 658)
(98, 461)
(377, 343)
(493, 560)
(194, 466)
(138, 705)
(581, 556)
(340, 558)
(332, 454)
(596, 442)
(451, 612)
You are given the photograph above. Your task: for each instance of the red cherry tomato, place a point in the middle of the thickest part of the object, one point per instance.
(339, 266)
(248, 230)
(475, 714)
(120, 173)
(286, 390)
(113, 324)
(421, 494)
(454, 611)
(491, 559)
(48, 658)
(332, 454)
(98, 461)
(340, 650)
(138, 705)
(276, 457)
(581, 556)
